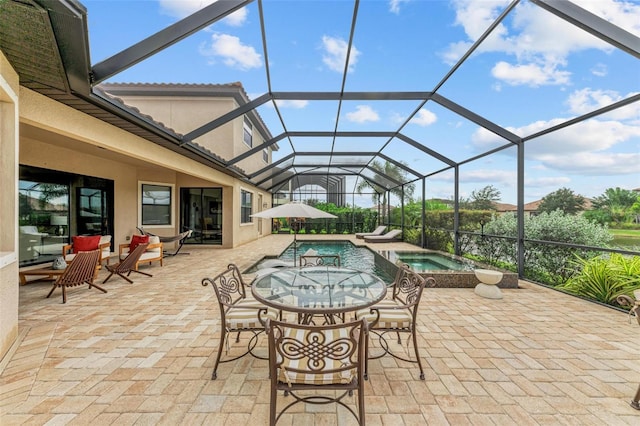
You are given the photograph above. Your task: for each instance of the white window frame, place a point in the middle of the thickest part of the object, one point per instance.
(247, 129)
(265, 155)
(172, 204)
(242, 207)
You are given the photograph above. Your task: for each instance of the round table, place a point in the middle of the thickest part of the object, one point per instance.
(319, 290)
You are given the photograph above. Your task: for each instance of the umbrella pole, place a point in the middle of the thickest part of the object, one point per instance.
(295, 244)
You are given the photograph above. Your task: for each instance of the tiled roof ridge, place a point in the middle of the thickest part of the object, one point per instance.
(174, 85)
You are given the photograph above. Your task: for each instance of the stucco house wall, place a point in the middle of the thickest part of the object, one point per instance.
(38, 131)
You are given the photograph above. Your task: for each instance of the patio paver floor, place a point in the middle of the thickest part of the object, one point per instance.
(143, 354)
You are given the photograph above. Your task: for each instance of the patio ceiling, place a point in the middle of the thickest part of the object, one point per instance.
(331, 146)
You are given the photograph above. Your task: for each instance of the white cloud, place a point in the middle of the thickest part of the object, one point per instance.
(547, 182)
(363, 114)
(584, 148)
(232, 52)
(600, 70)
(182, 8)
(292, 103)
(595, 163)
(531, 74)
(394, 5)
(587, 100)
(539, 41)
(335, 54)
(424, 118)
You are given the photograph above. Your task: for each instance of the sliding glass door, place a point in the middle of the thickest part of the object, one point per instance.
(201, 211)
(53, 206)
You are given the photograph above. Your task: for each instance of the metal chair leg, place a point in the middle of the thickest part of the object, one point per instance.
(635, 403)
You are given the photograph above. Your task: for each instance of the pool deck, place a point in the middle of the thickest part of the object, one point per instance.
(143, 354)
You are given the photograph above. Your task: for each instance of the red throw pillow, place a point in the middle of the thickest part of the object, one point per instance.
(136, 240)
(81, 243)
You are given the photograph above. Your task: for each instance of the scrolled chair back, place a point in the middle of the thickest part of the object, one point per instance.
(320, 260)
(228, 285)
(408, 285)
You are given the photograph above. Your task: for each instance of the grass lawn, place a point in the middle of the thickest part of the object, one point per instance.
(625, 232)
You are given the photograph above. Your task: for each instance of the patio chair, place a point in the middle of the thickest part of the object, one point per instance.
(320, 260)
(386, 238)
(81, 270)
(88, 243)
(305, 358)
(378, 231)
(128, 265)
(153, 253)
(238, 313)
(397, 314)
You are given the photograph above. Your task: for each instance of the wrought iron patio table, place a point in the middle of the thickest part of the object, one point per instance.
(320, 290)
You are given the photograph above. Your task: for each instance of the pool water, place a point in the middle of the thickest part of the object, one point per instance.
(351, 256)
(421, 261)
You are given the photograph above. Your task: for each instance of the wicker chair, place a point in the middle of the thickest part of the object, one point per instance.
(238, 313)
(305, 358)
(397, 314)
(81, 270)
(128, 265)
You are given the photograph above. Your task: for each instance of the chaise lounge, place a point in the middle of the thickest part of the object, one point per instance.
(386, 238)
(378, 231)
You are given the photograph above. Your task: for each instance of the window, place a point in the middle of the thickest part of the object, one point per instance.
(246, 201)
(265, 155)
(157, 202)
(248, 132)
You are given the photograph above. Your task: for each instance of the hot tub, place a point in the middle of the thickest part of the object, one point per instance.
(448, 270)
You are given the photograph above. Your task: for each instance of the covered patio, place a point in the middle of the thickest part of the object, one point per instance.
(535, 357)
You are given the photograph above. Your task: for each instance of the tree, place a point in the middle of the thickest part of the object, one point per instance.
(392, 171)
(483, 199)
(617, 203)
(564, 199)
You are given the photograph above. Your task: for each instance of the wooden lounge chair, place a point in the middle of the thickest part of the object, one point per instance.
(386, 238)
(81, 270)
(378, 231)
(128, 265)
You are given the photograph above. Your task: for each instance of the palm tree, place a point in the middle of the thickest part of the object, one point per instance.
(392, 171)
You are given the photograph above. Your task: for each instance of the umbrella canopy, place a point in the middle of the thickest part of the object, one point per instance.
(293, 209)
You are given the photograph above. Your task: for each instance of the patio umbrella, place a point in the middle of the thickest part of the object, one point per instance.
(293, 210)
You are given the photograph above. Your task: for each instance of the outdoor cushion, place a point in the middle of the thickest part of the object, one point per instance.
(288, 375)
(389, 318)
(85, 243)
(154, 239)
(244, 315)
(138, 239)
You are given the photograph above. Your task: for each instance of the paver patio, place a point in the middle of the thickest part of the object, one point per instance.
(143, 354)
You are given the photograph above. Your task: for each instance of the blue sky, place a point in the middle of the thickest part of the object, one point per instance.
(534, 71)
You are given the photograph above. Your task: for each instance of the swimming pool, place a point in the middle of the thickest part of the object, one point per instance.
(351, 256)
(449, 271)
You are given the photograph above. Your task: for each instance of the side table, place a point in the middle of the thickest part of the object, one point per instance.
(488, 283)
(47, 273)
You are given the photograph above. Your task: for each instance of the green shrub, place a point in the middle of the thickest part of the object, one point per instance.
(604, 279)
